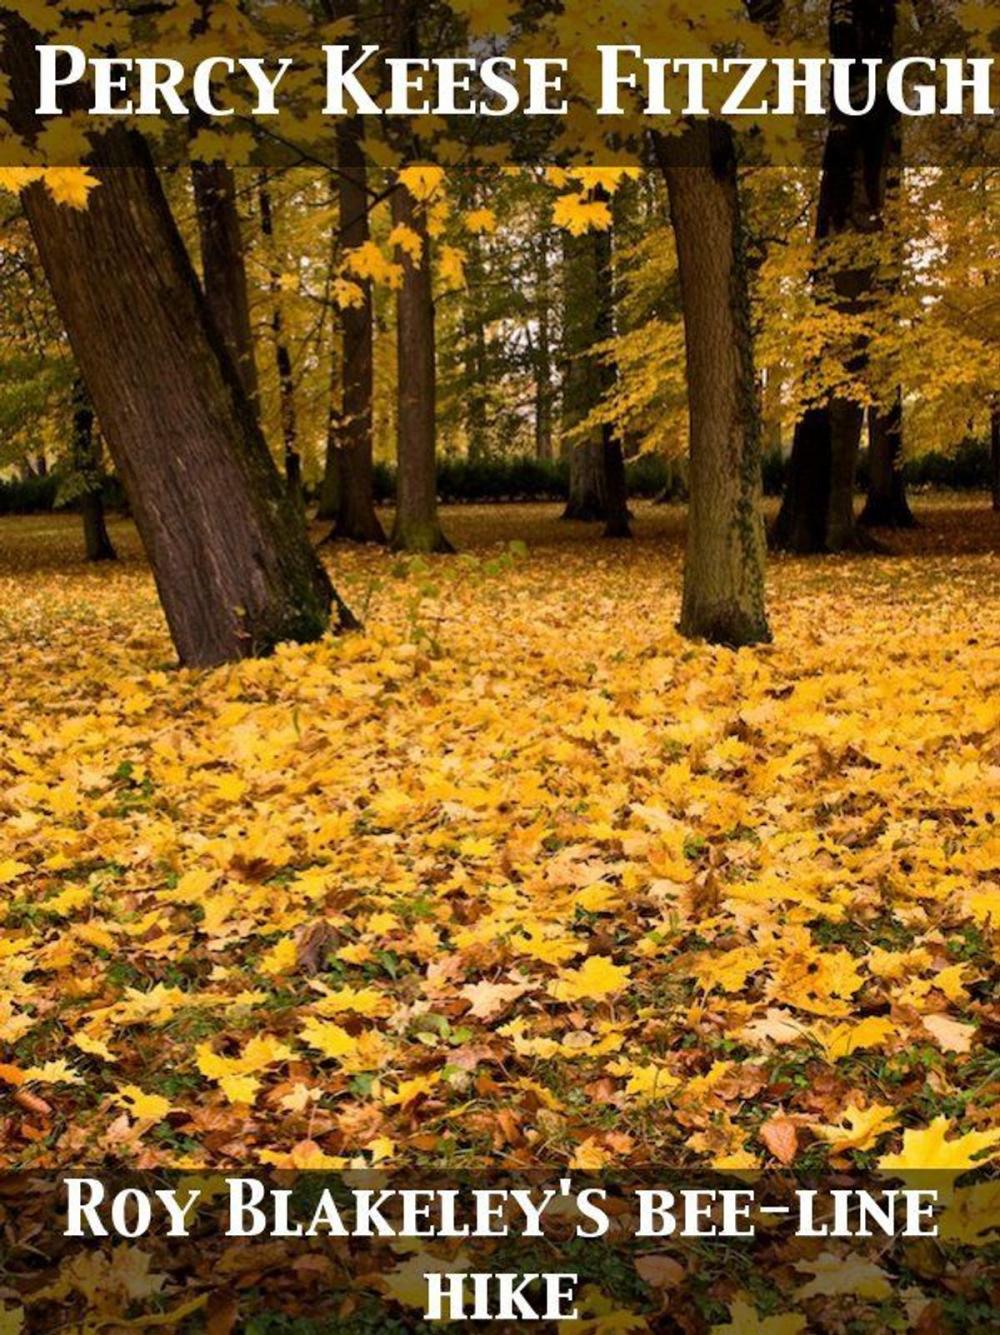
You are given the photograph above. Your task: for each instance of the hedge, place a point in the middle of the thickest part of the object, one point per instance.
(527, 479)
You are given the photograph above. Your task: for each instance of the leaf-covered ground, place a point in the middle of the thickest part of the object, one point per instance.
(516, 876)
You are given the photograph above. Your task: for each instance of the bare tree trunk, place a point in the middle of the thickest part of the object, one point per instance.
(581, 382)
(97, 542)
(229, 552)
(417, 527)
(349, 490)
(995, 455)
(817, 512)
(543, 352)
(886, 506)
(476, 372)
(282, 357)
(613, 458)
(224, 266)
(351, 440)
(723, 599)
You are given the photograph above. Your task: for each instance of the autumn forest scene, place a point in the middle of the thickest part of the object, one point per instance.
(501, 671)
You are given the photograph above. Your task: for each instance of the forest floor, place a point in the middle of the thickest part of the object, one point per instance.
(516, 875)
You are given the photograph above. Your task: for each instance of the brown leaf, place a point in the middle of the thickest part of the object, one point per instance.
(659, 1271)
(221, 1314)
(781, 1137)
(950, 1035)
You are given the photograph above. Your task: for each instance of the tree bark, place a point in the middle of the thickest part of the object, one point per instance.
(282, 357)
(613, 457)
(348, 496)
(351, 441)
(723, 599)
(543, 352)
(417, 527)
(97, 542)
(224, 266)
(476, 355)
(886, 506)
(230, 555)
(995, 455)
(817, 511)
(581, 382)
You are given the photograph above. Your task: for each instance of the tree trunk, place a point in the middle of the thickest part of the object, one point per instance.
(581, 382)
(282, 357)
(543, 352)
(355, 518)
(96, 539)
(229, 552)
(224, 266)
(476, 371)
(995, 455)
(417, 527)
(817, 511)
(723, 598)
(349, 493)
(886, 506)
(613, 458)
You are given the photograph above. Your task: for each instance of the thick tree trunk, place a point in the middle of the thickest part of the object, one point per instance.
(282, 357)
(723, 599)
(995, 456)
(417, 527)
(886, 506)
(817, 511)
(355, 519)
(97, 542)
(229, 553)
(224, 266)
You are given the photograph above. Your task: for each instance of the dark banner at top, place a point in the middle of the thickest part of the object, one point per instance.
(487, 82)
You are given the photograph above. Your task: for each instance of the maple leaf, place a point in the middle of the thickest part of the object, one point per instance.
(743, 1320)
(408, 1091)
(329, 1038)
(929, 1148)
(488, 1000)
(590, 1156)
(597, 977)
(843, 1276)
(479, 221)
(858, 1128)
(422, 181)
(841, 1040)
(142, 1105)
(949, 1034)
(577, 214)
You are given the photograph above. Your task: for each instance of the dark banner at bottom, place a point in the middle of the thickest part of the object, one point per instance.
(296, 1253)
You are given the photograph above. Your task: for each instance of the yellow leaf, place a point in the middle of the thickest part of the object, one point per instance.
(928, 1148)
(743, 1320)
(858, 1128)
(421, 181)
(596, 978)
(840, 1040)
(239, 1088)
(843, 1276)
(143, 1105)
(329, 1038)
